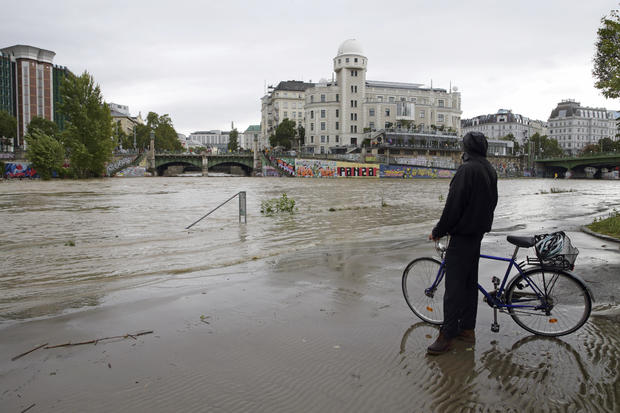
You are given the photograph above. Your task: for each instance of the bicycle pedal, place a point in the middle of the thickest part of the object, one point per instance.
(495, 328)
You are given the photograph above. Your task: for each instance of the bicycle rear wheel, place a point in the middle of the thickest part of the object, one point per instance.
(555, 303)
(423, 295)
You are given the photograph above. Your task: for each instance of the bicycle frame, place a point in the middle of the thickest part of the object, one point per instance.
(496, 300)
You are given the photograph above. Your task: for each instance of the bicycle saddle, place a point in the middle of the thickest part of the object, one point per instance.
(521, 241)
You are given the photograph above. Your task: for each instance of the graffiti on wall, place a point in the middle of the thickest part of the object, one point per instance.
(360, 170)
(410, 172)
(287, 165)
(315, 168)
(19, 170)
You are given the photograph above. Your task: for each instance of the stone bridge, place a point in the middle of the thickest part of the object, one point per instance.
(195, 162)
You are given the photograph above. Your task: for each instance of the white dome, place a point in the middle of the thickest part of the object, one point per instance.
(351, 46)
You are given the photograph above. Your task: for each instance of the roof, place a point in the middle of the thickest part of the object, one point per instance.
(294, 85)
(397, 85)
(351, 46)
(253, 128)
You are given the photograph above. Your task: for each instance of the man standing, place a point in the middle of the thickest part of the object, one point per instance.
(467, 215)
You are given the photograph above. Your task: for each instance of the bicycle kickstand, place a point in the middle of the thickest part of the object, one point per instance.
(495, 325)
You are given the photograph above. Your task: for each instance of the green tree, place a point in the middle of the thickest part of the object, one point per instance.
(606, 69)
(166, 138)
(45, 152)
(590, 149)
(8, 128)
(88, 135)
(285, 133)
(233, 143)
(301, 134)
(46, 126)
(607, 145)
(539, 146)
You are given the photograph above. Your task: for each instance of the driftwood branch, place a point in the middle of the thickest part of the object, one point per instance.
(95, 341)
(28, 408)
(28, 352)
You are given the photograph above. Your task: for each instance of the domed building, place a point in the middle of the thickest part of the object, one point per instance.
(341, 113)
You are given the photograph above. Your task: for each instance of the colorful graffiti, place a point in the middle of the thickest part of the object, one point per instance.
(287, 165)
(19, 170)
(315, 168)
(359, 170)
(410, 172)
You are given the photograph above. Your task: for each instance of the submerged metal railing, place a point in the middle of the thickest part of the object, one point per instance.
(242, 209)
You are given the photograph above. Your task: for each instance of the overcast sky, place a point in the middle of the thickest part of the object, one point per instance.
(206, 63)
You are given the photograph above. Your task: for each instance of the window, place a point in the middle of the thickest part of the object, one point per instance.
(355, 60)
(339, 61)
(322, 138)
(337, 138)
(353, 89)
(322, 113)
(285, 114)
(311, 139)
(322, 98)
(337, 126)
(347, 60)
(353, 129)
(311, 114)
(440, 117)
(387, 112)
(337, 97)
(371, 125)
(422, 114)
(353, 116)
(322, 125)
(311, 98)
(440, 103)
(353, 141)
(391, 98)
(337, 113)
(371, 112)
(380, 98)
(312, 126)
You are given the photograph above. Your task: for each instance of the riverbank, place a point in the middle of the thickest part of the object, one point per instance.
(323, 329)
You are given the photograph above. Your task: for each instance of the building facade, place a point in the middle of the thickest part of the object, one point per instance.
(286, 101)
(247, 138)
(575, 126)
(504, 123)
(30, 86)
(216, 140)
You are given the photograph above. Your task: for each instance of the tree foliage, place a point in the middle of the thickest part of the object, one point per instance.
(44, 152)
(607, 56)
(8, 127)
(516, 147)
(46, 126)
(542, 147)
(301, 134)
(166, 138)
(88, 135)
(233, 142)
(285, 133)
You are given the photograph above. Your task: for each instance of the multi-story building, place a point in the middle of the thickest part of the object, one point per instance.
(30, 86)
(575, 126)
(285, 101)
(504, 123)
(214, 139)
(123, 119)
(349, 108)
(247, 138)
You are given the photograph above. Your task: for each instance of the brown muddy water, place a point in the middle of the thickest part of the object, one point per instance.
(325, 328)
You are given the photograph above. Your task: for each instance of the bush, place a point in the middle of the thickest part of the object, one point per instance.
(277, 205)
(608, 226)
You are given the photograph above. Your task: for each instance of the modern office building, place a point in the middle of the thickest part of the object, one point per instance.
(575, 126)
(30, 86)
(504, 123)
(214, 139)
(342, 112)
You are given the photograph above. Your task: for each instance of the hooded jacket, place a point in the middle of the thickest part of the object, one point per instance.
(473, 192)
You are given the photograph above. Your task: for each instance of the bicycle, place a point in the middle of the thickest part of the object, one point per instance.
(543, 297)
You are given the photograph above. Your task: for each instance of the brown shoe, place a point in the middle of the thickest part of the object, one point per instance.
(440, 346)
(468, 336)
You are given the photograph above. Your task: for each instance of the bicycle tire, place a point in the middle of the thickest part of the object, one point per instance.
(566, 308)
(418, 276)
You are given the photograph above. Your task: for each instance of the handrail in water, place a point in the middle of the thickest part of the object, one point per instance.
(242, 209)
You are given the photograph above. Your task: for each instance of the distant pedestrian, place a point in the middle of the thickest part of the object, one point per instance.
(467, 215)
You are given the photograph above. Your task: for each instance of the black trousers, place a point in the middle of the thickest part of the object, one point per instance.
(460, 301)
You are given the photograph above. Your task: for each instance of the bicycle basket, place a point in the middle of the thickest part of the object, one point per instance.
(554, 250)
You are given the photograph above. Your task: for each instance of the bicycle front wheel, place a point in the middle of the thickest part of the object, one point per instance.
(423, 288)
(548, 302)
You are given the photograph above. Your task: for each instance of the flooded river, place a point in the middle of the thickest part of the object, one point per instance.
(67, 244)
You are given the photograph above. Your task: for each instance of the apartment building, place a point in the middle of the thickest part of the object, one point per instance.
(575, 126)
(503, 123)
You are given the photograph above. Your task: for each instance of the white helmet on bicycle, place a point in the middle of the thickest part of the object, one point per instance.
(550, 245)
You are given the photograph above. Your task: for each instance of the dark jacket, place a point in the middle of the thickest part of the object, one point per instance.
(473, 193)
